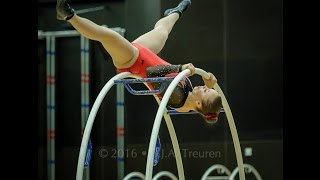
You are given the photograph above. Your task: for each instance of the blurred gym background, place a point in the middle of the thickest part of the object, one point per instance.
(240, 42)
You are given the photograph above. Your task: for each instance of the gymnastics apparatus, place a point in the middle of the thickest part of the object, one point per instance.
(163, 112)
(119, 79)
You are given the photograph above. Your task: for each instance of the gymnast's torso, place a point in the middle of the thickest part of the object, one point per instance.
(181, 91)
(150, 65)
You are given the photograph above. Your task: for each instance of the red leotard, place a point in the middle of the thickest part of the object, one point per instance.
(145, 59)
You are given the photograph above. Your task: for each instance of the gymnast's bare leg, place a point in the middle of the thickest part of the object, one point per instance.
(156, 38)
(123, 53)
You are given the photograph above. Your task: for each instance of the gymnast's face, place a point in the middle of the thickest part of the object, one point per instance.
(207, 102)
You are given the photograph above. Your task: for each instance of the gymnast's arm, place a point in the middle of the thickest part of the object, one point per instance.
(162, 70)
(211, 81)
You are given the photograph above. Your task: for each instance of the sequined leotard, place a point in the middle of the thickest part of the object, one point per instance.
(149, 64)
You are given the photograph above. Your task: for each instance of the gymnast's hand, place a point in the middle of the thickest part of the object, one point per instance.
(211, 81)
(190, 67)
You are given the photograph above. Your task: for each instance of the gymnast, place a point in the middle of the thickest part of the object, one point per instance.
(140, 57)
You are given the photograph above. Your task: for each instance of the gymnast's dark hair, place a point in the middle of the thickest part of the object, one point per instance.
(208, 108)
